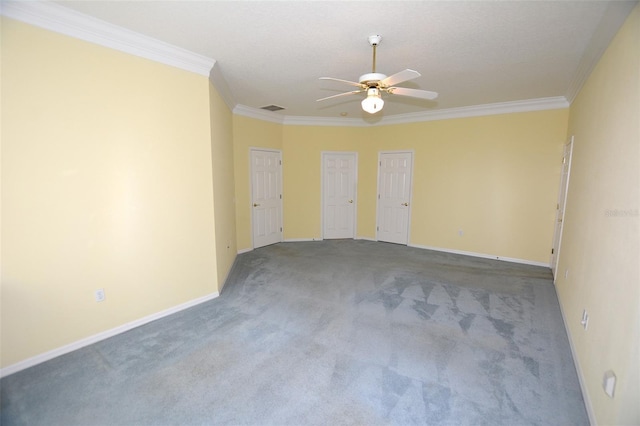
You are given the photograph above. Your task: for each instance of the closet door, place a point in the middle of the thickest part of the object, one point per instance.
(560, 206)
(339, 174)
(394, 196)
(266, 197)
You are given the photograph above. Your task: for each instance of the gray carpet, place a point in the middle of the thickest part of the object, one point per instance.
(328, 333)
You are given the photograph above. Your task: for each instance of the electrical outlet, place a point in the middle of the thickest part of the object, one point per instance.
(585, 319)
(99, 295)
(609, 383)
(566, 273)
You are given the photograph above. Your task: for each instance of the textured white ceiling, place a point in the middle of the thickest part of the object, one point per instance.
(471, 52)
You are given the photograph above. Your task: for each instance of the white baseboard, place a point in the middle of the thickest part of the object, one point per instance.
(226, 276)
(466, 253)
(483, 255)
(30, 362)
(289, 240)
(576, 362)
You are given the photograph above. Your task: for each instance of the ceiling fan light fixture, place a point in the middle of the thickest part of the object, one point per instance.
(374, 83)
(373, 102)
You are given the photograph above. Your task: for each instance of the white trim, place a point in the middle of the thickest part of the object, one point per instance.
(30, 362)
(365, 238)
(245, 250)
(60, 19)
(540, 104)
(218, 81)
(554, 259)
(301, 240)
(258, 114)
(54, 17)
(576, 363)
(528, 105)
(482, 255)
(292, 120)
(226, 276)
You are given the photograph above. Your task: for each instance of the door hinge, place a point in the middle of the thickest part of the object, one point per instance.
(377, 228)
(280, 161)
(380, 163)
(281, 196)
(551, 250)
(564, 160)
(378, 196)
(280, 229)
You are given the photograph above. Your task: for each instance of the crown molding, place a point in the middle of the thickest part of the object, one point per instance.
(217, 79)
(258, 114)
(62, 20)
(540, 104)
(291, 120)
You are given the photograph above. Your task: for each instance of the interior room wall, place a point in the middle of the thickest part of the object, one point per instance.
(600, 247)
(106, 183)
(494, 177)
(249, 133)
(221, 122)
(302, 171)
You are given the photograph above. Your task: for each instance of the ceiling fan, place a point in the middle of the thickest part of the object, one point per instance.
(374, 84)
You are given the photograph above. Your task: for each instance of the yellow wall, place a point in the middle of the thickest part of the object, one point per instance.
(302, 146)
(600, 246)
(249, 133)
(106, 183)
(494, 177)
(223, 184)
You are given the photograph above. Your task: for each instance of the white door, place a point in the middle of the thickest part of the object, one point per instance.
(394, 196)
(339, 173)
(560, 206)
(266, 197)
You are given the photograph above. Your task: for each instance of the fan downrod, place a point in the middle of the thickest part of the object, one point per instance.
(371, 79)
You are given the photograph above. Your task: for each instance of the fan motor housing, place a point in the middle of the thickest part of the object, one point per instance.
(372, 77)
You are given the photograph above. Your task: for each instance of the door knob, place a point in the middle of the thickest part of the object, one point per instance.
(255, 205)
(405, 204)
(350, 201)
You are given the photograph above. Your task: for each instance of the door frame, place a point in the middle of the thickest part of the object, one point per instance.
(323, 156)
(558, 225)
(379, 166)
(251, 210)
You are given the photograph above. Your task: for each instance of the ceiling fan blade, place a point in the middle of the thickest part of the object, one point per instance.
(353, 83)
(400, 77)
(414, 93)
(339, 94)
